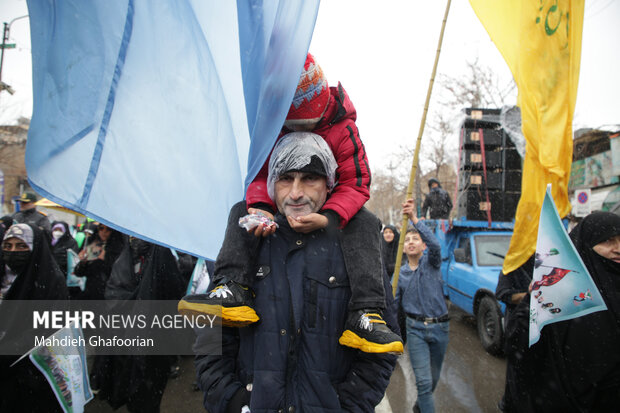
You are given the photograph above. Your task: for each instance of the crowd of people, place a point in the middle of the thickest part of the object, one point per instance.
(34, 266)
(303, 292)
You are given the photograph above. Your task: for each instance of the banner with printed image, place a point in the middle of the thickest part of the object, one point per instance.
(72, 279)
(562, 288)
(200, 280)
(67, 374)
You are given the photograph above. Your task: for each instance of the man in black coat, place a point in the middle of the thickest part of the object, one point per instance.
(291, 360)
(28, 213)
(437, 200)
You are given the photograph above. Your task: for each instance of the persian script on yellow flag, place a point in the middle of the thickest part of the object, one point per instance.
(541, 42)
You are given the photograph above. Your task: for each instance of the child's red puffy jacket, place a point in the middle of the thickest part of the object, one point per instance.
(338, 128)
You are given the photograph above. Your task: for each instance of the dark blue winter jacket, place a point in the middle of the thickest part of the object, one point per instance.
(292, 356)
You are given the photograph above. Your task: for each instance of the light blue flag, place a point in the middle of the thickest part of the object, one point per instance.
(149, 116)
(562, 288)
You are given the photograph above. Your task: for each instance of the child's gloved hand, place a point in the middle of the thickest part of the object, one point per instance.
(308, 223)
(258, 222)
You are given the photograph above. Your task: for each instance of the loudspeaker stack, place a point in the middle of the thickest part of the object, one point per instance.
(490, 168)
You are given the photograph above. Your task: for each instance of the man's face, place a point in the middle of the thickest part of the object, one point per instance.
(414, 246)
(300, 193)
(26, 206)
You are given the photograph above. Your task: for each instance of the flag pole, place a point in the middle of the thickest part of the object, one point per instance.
(416, 154)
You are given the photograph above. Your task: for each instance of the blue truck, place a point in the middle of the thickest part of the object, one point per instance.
(472, 257)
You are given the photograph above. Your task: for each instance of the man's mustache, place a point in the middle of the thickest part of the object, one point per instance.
(297, 203)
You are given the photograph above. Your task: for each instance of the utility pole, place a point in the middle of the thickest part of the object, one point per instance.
(5, 45)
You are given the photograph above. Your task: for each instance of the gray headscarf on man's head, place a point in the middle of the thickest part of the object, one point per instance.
(301, 151)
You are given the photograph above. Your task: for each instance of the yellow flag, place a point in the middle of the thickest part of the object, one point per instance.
(541, 42)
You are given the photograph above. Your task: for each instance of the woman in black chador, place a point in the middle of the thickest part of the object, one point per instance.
(96, 261)
(590, 345)
(144, 271)
(389, 247)
(61, 242)
(28, 272)
(575, 366)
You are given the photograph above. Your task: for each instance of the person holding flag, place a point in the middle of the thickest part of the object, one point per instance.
(420, 296)
(590, 345)
(575, 365)
(28, 273)
(571, 365)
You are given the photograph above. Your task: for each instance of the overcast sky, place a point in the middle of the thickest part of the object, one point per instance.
(383, 53)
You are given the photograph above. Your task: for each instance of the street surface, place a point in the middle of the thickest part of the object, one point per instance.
(472, 381)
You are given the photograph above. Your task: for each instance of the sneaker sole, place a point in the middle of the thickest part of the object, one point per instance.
(350, 339)
(229, 316)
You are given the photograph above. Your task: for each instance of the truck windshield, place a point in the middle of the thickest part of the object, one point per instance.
(491, 249)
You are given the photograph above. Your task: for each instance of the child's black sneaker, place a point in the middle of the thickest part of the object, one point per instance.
(366, 330)
(230, 301)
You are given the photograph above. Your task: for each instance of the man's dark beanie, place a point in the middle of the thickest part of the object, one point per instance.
(314, 167)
